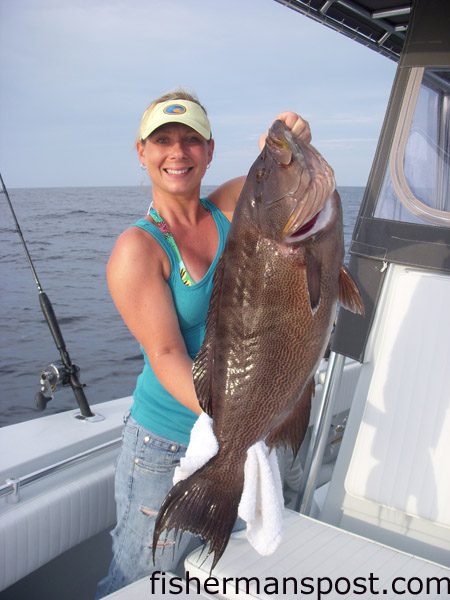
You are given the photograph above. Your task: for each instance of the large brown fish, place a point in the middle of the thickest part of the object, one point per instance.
(269, 321)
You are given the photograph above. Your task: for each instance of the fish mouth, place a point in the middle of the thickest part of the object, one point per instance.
(302, 219)
(304, 229)
(319, 221)
(315, 187)
(279, 146)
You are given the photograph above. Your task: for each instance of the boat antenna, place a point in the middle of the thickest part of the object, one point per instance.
(65, 373)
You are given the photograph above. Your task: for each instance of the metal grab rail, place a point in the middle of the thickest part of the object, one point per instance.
(320, 433)
(12, 486)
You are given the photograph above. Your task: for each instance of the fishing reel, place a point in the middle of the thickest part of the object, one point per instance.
(58, 373)
(55, 376)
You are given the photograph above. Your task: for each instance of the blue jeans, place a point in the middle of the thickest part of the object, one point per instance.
(143, 478)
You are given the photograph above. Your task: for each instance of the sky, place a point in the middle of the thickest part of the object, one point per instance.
(76, 76)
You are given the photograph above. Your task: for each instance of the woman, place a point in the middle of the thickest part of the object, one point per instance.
(160, 277)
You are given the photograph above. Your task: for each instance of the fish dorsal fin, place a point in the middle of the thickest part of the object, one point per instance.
(203, 367)
(349, 296)
(313, 274)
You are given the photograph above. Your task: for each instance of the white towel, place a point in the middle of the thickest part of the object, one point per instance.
(261, 504)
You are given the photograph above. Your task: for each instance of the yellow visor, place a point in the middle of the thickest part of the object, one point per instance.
(175, 111)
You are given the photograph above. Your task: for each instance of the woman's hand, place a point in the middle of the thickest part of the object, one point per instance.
(299, 127)
(226, 196)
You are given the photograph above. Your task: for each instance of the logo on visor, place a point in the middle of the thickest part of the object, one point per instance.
(175, 109)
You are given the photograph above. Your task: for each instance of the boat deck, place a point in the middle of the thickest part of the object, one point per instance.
(316, 556)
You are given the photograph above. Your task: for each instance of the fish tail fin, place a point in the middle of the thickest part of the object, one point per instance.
(205, 504)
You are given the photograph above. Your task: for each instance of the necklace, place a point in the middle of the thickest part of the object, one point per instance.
(164, 229)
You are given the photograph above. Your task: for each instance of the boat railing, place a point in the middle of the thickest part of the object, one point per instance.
(12, 486)
(319, 434)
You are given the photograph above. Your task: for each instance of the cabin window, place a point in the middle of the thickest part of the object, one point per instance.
(416, 187)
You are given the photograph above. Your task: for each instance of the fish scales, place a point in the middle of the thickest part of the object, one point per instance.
(280, 327)
(272, 309)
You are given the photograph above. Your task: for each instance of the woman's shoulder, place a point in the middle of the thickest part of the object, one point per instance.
(134, 239)
(135, 247)
(226, 195)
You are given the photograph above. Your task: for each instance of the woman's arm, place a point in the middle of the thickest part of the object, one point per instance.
(136, 274)
(225, 197)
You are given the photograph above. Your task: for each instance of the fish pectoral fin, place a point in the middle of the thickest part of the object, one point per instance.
(203, 367)
(313, 273)
(349, 295)
(292, 430)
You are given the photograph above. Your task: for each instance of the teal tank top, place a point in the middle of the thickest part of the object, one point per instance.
(153, 407)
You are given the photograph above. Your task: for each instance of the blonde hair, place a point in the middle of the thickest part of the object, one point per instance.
(178, 94)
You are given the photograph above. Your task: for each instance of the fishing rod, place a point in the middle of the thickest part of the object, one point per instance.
(60, 373)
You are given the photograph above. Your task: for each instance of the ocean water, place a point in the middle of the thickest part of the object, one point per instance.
(70, 233)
